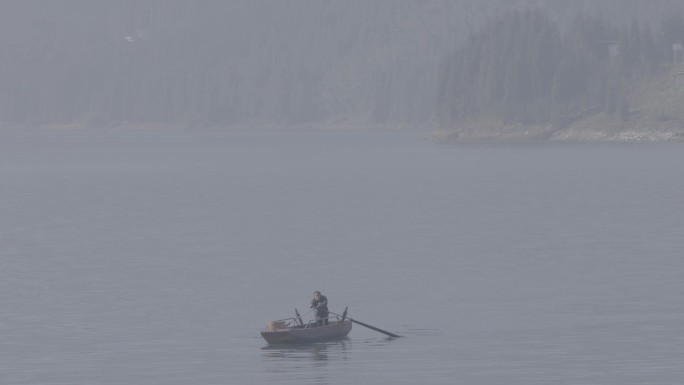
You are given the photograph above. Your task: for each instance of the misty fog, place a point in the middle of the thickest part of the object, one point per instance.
(178, 177)
(179, 64)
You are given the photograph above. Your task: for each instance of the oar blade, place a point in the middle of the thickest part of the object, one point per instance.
(299, 318)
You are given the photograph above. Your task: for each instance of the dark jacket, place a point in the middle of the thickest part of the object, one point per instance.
(321, 306)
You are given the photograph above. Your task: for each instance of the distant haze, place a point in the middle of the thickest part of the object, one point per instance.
(226, 63)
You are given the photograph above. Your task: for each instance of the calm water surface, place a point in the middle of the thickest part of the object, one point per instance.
(149, 258)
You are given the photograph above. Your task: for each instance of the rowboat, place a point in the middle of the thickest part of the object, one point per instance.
(296, 334)
(294, 331)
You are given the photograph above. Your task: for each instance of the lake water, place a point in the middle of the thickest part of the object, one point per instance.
(157, 258)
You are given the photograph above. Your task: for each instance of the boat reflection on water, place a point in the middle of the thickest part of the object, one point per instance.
(308, 352)
(315, 363)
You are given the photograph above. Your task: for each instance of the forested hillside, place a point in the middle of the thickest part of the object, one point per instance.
(522, 69)
(352, 63)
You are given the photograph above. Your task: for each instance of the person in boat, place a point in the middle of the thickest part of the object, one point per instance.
(320, 303)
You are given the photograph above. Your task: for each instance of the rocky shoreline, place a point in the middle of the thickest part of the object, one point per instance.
(561, 136)
(593, 130)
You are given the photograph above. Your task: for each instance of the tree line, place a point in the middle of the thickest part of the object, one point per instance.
(523, 69)
(393, 63)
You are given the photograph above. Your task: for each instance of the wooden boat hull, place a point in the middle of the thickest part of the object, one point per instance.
(299, 335)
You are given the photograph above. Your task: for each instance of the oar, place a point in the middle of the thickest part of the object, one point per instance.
(299, 318)
(366, 325)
